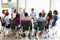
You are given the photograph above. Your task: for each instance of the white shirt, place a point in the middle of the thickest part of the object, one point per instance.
(14, 15)
(22, 14)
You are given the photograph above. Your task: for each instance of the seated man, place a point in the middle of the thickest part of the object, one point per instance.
(33, 14)
(40, 23)
(26, 18)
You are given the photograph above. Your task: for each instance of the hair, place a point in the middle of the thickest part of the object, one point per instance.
(26, 14)
(50, 11)
(17, 15)
(32, 9)
(40, 14)
(3, 11)
(14, 10)
(7, 13)
(50, 14)
(55, 12)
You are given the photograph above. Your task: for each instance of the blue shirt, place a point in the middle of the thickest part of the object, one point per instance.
(55, 18)
(33, 14)
(41, 19)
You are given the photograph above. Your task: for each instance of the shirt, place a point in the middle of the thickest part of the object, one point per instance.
(33, 15)
(55, 18)
(26, 18)
(22, 15)
(14, 15)
(7, 22)
(41, 19)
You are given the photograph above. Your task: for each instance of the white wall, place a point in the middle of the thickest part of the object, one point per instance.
(21, 3)
(38, 5)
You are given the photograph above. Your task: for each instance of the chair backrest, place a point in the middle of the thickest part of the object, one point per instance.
(25, 23)
(41, 23)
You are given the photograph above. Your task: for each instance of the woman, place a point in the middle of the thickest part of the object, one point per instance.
(48, 18)
(7, 23)
(55, 17)
(17, 19)
(43, 13)
(14, 14)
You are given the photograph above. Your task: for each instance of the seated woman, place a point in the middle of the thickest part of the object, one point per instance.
(17, 19)
(55, 17)
(48, 18)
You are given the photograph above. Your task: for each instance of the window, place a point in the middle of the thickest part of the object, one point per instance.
(4, 1)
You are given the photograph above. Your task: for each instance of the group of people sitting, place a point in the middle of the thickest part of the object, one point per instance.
(43, 21)
(25, 21)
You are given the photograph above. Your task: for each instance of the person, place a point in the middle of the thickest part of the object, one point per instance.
(55, 17)
(14, 14)
(43, 13)
(22, 15)
(27, 18)
(7, 24)
(41, 18)
(17, 19)
(41, 27)
(48, 18)
(33, 14)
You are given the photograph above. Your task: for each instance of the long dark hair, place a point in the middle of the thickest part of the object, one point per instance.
(55, 12)
(17, 15)
(50, 14)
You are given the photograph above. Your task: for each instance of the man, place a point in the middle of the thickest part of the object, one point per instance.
(24, 11)
(26, 18)
(33, 14)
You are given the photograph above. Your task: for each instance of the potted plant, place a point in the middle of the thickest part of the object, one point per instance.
(9, 0)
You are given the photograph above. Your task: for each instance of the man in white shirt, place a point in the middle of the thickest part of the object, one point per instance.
(22, 14)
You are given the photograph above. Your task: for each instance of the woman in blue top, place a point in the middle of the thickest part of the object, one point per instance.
(55, 17)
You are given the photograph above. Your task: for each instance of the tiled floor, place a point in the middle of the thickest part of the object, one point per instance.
(55, 37)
